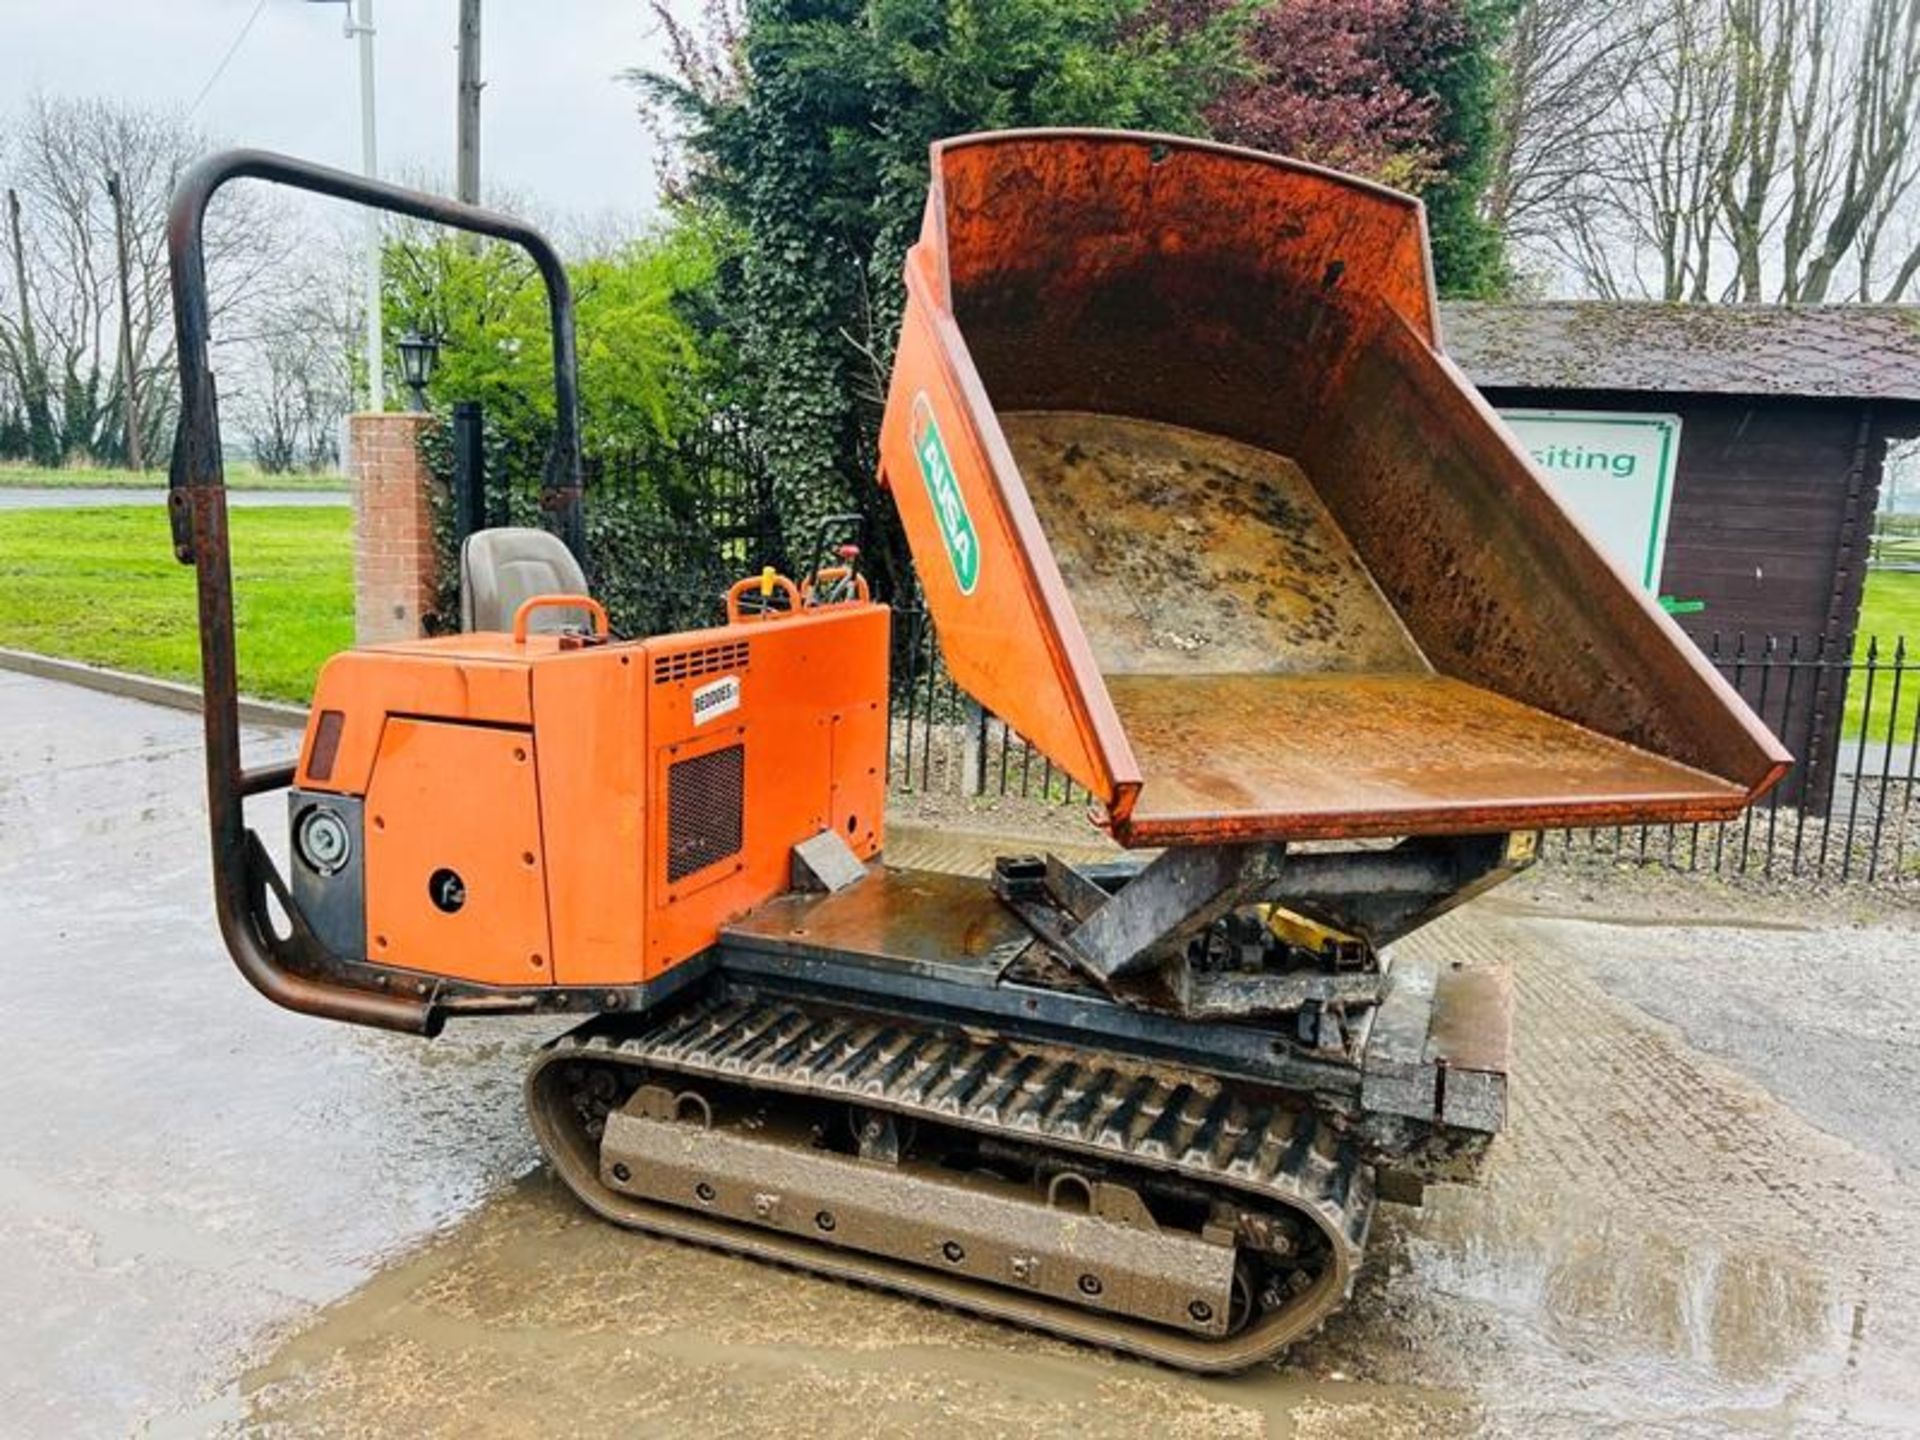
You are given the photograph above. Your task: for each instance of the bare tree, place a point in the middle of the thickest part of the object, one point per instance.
(291, 373)
(58, 159)
(1566, 64)
(1632, 211)
(292, 403)
(1701, 150)
(1872, 207)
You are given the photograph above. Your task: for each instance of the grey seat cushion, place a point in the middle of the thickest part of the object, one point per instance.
(501, 568)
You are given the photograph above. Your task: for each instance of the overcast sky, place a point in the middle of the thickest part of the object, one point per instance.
(556, 125)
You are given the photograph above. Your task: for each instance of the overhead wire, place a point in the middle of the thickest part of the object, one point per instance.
(227, 59)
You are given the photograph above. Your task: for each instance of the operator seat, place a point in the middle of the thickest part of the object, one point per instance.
(503, 567)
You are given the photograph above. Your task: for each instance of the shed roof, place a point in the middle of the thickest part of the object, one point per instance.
(1826, 351)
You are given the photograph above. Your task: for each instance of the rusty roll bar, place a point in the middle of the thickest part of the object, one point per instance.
(296, 971)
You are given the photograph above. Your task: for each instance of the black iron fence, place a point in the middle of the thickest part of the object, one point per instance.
(942, 743)
(1848, 814)
(1857, 821)
(670, 523)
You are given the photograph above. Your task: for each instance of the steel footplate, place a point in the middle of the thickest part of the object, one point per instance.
(1107, 1114)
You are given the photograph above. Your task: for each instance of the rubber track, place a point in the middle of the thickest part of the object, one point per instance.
(1211, 1131)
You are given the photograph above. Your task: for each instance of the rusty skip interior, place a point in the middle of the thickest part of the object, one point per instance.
(1324, 593)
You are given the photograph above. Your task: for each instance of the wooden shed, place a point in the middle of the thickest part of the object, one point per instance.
(1785, 414)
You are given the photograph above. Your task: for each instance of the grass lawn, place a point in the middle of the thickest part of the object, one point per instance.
(239, 477)
(101, 584)
(1889, 609)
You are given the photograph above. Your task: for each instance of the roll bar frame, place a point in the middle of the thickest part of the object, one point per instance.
(296, 971)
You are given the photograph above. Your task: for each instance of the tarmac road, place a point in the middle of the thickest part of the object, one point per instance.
(216, 1217)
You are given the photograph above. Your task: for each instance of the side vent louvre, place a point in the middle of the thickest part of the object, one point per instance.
(706, 804)
(703, 660)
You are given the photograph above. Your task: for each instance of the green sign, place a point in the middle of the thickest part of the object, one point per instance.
(1614, 472)
(949, 503)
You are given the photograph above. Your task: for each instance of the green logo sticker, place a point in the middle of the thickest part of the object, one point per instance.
(949, 504)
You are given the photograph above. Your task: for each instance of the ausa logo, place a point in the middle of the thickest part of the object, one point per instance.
(949, 503)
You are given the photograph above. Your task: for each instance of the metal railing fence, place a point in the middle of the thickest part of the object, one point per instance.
(1847, 814)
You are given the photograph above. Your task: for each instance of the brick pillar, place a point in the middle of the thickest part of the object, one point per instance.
(394, 562)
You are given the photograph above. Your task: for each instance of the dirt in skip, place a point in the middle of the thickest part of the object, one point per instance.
(1246, 568)
(1660, 1246)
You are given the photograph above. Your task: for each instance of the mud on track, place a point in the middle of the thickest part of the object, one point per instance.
(1661, 1248)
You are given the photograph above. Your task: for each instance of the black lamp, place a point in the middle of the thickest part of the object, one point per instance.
(418, 355)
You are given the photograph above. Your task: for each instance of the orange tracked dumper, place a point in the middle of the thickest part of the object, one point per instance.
(1201, 509)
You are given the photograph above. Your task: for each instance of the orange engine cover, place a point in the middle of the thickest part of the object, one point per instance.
(453, 848)
(539, 813)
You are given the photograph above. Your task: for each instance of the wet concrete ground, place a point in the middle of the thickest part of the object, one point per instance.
(182, 1166)
(215, 1217)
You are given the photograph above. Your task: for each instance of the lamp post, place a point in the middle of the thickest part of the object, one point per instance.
(418, 356)
(359, 25)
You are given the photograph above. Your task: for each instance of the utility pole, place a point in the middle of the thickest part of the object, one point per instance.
(467, 170)
(360, 25)
(370, 167)
(130, 383)
(20, 279)
(39, 421)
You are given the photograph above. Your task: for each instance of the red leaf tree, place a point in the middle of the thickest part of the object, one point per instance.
(1337, 82)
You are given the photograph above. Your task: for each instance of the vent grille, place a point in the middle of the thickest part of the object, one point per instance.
(706, 803)
(703, 660)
